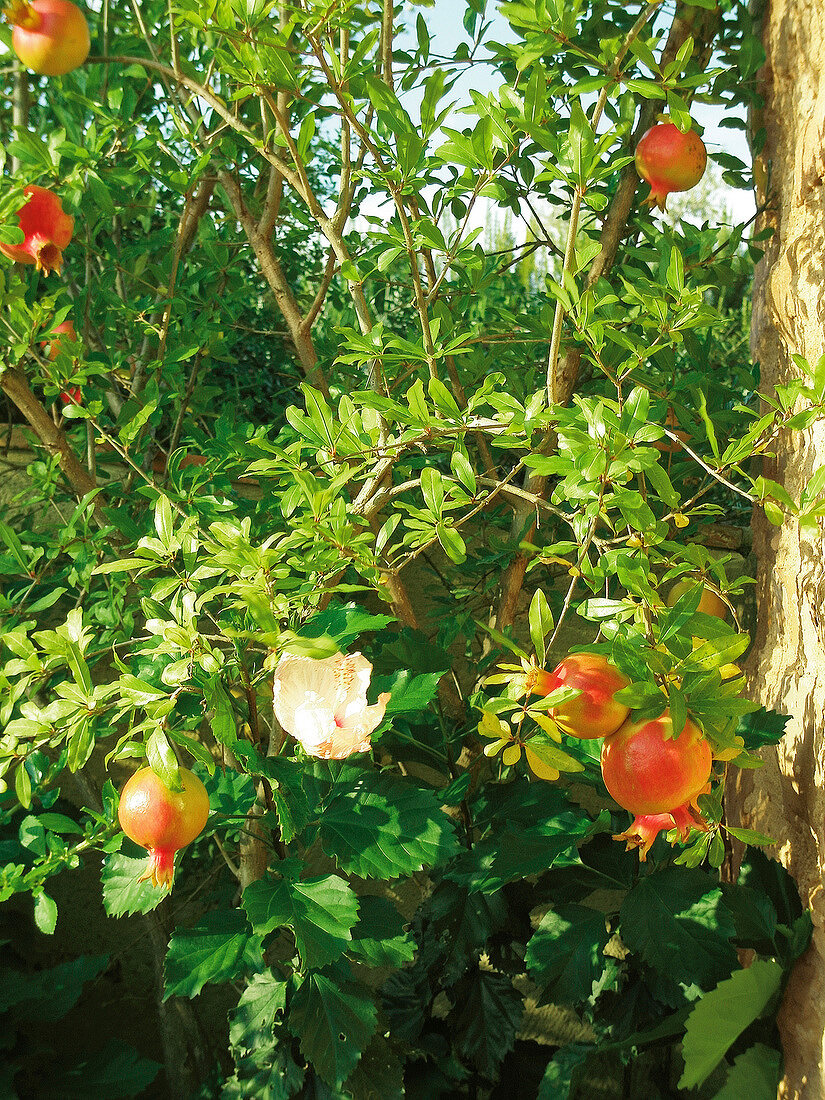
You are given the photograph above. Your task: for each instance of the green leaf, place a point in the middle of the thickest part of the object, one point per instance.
(565, 954)
(756, 1074)
(564, 1072)
(379, 1074)
(23, 785)
(48, 994)
(334, 1019)
(261, 1001)
(516, 851)
(720, 1017)
(45, 913)
(122, 893)
(486, 1018)
(676, 920)
(117, 1070)
(217, 949)
(162, 759)
(379, 937)
(224, 725)
(319, 911)
(754, 916)
(540, 620)
(379, 826)
(408, 692)
(462, 922)
(343, 622)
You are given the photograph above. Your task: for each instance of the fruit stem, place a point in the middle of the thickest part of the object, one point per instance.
(21, 14)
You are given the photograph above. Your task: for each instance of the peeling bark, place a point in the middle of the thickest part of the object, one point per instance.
(786, 670)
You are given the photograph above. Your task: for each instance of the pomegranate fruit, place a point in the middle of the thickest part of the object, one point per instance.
(594, 713)
(656, 776)
(51, 37)
(161, 820)
(53, 345)
(710, 603)
(46, 229)
(670, 161)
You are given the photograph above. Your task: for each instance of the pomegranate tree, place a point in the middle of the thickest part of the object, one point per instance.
(47, 230)
(670, 161)
(51, 37)
(161, 820)
(593, 713)
(656, 776)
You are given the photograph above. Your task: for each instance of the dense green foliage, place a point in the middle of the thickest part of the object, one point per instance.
(322, 410)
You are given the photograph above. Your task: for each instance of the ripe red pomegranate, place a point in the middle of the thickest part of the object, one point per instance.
(47, 231)
(594, 713)
(670, 160)
(162, 820)
(51, 37)
(656, 776)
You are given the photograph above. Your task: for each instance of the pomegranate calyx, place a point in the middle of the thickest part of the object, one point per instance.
(658, 196)
(47, 256)
(160, 870)
(21, 14)
(646, 827)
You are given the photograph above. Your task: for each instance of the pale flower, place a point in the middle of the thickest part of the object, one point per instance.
(323, 703)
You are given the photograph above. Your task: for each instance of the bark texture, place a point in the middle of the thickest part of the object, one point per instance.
(786, 798)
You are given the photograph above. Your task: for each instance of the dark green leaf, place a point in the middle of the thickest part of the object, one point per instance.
(334, 1019)
(565, 955)
(117, 1070)
(379, 937)
(676, 920)
(486, 1018)
(379, 1074)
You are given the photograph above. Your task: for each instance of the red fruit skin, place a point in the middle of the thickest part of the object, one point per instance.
(594, 713)
(53, 345)
(670, 161)
(647, 771)
(51, 37)
(73, 396)
(161, 820)
(47, 231)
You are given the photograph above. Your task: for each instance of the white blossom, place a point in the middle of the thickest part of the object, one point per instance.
(323, 703)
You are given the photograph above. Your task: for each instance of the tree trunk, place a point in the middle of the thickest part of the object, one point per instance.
(786, 670)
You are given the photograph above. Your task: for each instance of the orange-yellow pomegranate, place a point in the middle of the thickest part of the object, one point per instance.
(51, 37)
(657, 777)
(161, 820)
(710, 603)
(670, 161)
(594, 713)
(46, 230)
